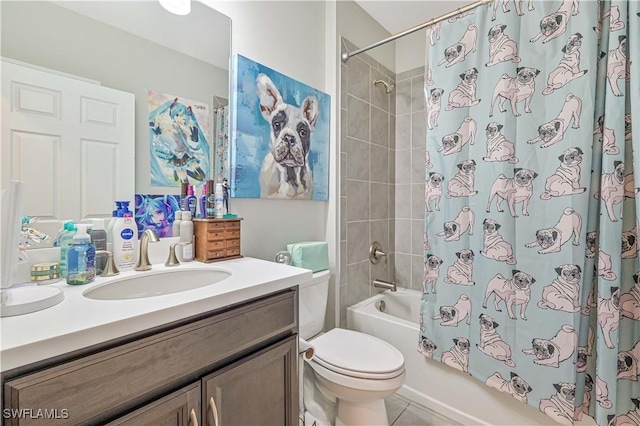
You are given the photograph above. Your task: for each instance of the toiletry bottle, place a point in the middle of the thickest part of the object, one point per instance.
(186, 236)
(125, 239)
(191, 202)
(65, 241)
(219, 201)
(56, 241)
(184, 187)
(175, 228)
(81, 258)
(99, 240)
(203, 202)
(114, 217)
(211, 198)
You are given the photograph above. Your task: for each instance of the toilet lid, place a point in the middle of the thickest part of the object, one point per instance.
(357, 354)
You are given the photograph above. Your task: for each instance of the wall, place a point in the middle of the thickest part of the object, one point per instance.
(47, 35)
(357, 26)
(258, 29)
(367, 117)
(410, 173)
(367, 175)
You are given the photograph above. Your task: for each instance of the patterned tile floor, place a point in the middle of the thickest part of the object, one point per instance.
(402, 412)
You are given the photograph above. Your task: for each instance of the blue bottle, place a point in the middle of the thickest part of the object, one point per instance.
(65, 240)
(81, 258)
(190, 202)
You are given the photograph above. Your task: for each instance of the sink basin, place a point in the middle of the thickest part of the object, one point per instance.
(150, 284)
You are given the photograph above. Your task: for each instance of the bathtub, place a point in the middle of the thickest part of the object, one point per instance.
(440, 388)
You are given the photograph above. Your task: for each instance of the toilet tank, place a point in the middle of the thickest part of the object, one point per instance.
(313, 304)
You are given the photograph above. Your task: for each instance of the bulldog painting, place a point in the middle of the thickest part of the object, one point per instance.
(285, 171)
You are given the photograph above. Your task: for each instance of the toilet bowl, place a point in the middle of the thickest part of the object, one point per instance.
(353, 369)
(357, 371)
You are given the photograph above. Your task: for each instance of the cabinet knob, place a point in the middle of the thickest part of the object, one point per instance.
(193, 419)
(214, 411)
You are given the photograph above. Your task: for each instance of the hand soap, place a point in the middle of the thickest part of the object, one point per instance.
(81, 258)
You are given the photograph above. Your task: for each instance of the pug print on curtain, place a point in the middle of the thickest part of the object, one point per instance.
(531, 273)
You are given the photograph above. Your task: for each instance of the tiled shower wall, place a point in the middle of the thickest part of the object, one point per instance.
(410, 173)
(367, 177)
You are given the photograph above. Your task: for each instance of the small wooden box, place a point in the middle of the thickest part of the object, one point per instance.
(217, 239)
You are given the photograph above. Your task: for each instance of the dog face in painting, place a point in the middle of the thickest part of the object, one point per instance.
(285, 171)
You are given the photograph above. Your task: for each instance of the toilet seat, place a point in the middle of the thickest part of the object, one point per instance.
(359, 355)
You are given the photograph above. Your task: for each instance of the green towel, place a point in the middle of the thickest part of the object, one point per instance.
(312, 255)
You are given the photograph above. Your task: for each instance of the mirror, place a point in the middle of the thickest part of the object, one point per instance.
(131, 46)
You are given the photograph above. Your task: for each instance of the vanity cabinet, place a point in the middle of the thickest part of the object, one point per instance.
(240, 359)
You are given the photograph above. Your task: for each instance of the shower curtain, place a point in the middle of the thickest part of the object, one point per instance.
(531, 273)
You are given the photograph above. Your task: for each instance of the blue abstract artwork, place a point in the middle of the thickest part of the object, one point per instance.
(280, 134)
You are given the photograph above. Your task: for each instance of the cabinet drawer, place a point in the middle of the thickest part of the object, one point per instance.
(99, 386)
(232, 243)
(232, 225)
(214, 236)
(232, 251)
(232, 233)
(215, 254)
(215, 226)
(215, 245)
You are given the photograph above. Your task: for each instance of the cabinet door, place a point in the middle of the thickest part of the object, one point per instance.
(181, 408)
(261, 389)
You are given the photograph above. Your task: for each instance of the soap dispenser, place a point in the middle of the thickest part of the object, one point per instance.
(81, 258)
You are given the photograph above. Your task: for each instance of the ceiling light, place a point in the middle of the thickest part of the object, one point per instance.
(179, 7)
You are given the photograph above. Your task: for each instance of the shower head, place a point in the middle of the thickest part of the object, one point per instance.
(388, 88)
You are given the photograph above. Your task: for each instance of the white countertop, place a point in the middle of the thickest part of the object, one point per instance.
(78, 322)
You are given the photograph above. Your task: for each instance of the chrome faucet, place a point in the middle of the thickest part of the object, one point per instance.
(143, 263)
(110, 268)
(384, 284)
(172, 260)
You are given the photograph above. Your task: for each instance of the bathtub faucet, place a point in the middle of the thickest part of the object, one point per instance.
(384, 284)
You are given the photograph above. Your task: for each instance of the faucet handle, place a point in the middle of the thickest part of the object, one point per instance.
(172, 260)
(376, 253)
(110, 268)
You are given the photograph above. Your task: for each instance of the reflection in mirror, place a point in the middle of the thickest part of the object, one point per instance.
(75, 82)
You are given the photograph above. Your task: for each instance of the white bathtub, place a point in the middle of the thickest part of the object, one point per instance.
(442, 389)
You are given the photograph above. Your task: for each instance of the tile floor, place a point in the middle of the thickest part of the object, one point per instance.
(402, 412)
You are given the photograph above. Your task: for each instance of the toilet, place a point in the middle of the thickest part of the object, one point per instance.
(354, 369)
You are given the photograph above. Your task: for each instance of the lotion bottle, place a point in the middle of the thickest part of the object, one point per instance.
(186, 236)
(81, 258)
(125, 240)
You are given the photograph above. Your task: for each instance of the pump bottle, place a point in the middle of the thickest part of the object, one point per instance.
(81, 258)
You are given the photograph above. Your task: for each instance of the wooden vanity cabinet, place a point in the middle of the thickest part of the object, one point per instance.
(241, 360)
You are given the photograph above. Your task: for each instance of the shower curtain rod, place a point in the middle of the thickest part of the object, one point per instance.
(346, 55)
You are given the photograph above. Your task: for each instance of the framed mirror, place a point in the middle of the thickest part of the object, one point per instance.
(129, 47)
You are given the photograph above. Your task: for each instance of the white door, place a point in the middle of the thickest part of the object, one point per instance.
(70, 141)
